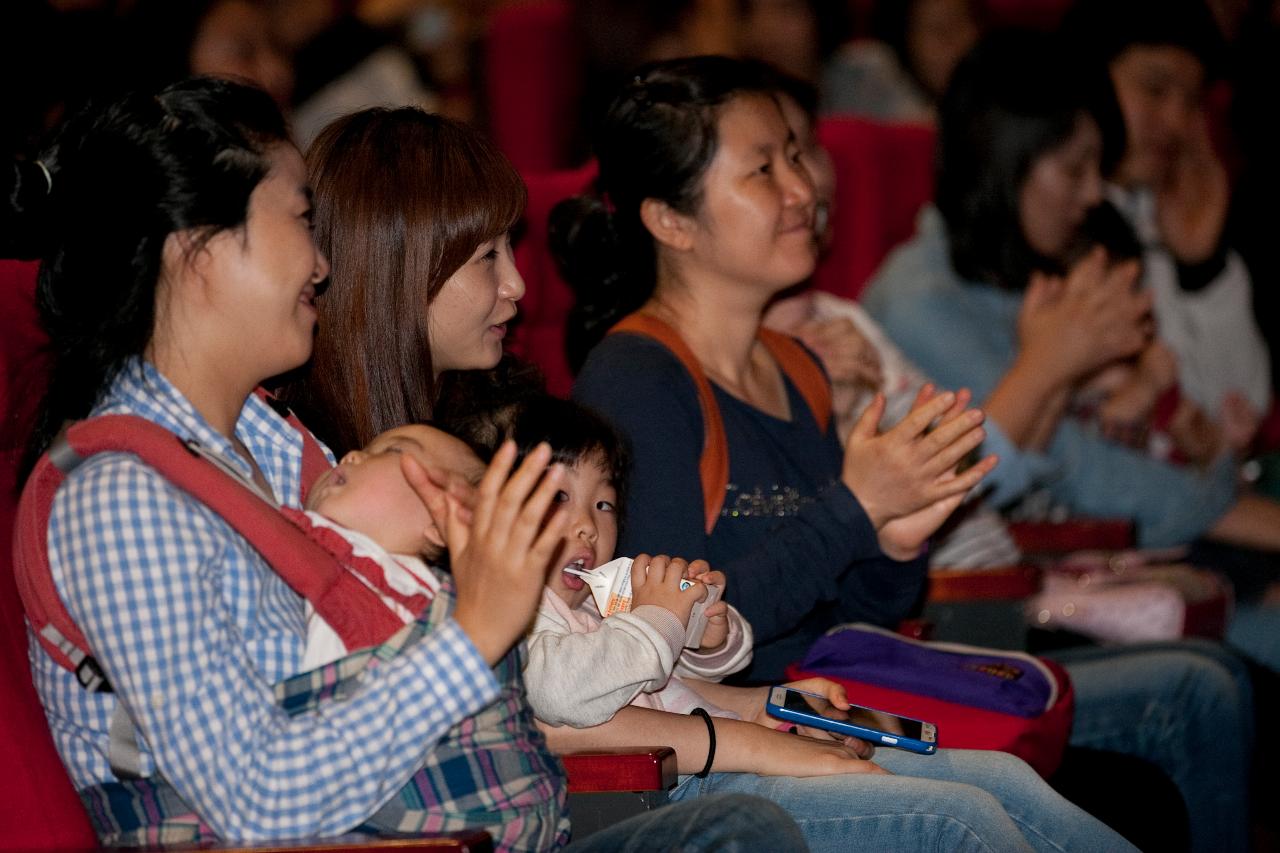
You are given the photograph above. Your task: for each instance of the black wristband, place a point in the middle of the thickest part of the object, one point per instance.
(711, 740)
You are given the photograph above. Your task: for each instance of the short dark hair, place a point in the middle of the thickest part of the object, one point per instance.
(478, 406)
(1017, 96)
(484, 408)
(126, 175)
(576, 434)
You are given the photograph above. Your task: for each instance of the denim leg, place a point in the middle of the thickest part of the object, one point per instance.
(1185, 707)
(1255, 631)
(1045, 819)
(857, 812)
(732, 823)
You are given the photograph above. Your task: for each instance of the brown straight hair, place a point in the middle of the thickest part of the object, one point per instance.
(402, 200)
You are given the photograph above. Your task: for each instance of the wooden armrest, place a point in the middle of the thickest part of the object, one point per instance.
(1012, 582)
(641, 768)
(1074, 534)
(465, 841)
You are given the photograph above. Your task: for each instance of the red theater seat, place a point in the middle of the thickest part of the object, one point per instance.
(539, 334)
(884, 175)
(39, 810)
(533, 81)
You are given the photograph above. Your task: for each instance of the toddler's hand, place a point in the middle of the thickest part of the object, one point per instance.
(1193, 201)
(717, 614)
(656, 580)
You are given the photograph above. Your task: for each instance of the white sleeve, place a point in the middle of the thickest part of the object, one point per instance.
(1213, 333)
(735, 654)
(583, 679)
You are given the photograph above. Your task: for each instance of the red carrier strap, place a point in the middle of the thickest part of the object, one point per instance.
(354, 610)
(713, 466)
(314, 462)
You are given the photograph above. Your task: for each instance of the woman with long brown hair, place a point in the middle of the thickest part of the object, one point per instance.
(416, 211)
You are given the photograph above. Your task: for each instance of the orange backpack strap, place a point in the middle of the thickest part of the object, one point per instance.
(794, 360)
(713, 465)
(804, 373)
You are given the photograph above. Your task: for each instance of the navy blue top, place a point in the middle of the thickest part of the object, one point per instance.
(798, 551)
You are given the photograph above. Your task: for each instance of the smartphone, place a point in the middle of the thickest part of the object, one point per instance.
(878, 727)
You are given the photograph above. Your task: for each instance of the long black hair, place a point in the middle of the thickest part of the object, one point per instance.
(1017, 96)
(125, 176)
(656, 141)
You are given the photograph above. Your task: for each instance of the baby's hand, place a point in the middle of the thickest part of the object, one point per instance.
(848, 356)
(656, 580)
(717, 614)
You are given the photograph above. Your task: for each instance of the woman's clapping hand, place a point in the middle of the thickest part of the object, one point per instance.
(907, 475)
(499, 545)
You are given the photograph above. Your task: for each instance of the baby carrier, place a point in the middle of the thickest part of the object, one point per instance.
(526, 811)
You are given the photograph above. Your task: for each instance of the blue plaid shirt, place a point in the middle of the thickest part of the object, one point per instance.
(192, 629)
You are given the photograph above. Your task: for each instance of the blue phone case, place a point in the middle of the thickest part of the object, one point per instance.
(775, 706)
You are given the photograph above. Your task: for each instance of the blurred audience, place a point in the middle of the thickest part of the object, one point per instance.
(795, 36)
(900, 73)
(223, 38)
(983, 298)
(343, 64)
(1174, 190)
(1254, 220)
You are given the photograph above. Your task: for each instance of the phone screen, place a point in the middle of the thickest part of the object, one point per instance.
(866, 717)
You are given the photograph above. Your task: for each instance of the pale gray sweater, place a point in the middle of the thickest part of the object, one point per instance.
(581, 669)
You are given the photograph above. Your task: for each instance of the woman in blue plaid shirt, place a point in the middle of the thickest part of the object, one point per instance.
(181, 276)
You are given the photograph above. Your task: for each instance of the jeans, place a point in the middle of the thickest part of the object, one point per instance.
(1255, 631)
(732, 823)
(1186, 707)
(954, 800)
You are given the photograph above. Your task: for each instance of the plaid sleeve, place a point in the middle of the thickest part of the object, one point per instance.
(162, 590)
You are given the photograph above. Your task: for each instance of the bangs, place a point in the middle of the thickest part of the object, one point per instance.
(478, 196)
